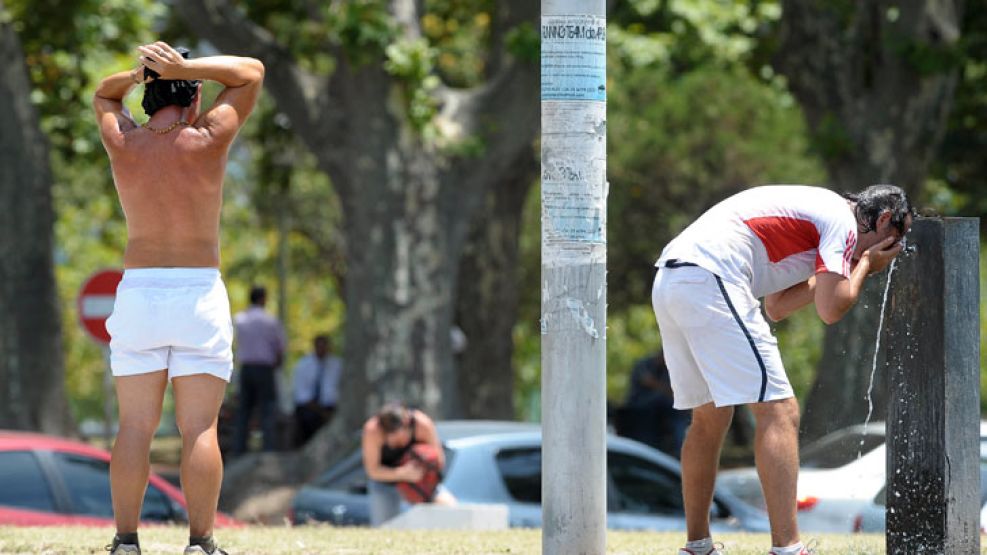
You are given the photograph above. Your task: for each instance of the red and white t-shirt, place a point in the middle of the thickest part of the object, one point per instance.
(771, 237)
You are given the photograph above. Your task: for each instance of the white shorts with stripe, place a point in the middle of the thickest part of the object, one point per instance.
(717, 344)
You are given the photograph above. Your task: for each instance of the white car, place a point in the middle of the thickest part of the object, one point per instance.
(840, 476)
(873, 517)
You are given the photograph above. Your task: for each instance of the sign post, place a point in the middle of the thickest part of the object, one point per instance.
(574, 253)
(95, 304)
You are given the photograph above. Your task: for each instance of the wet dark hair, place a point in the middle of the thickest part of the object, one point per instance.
(390, 418)
(168, 92)
(874, 200)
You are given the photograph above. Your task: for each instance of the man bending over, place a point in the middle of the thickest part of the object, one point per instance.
(793, 246)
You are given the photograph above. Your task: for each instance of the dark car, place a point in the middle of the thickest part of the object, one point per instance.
(500, 462)
(46, 480)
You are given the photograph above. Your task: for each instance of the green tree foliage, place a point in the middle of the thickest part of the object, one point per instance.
(460, 31)
(688, 125)
(90, 230)
(680, 144)
(270, 174)
(451, 51)
(959, 175)
(695, 114)
(682, 35)
(66, 46)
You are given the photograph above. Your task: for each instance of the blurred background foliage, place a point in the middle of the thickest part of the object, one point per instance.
(695, 113)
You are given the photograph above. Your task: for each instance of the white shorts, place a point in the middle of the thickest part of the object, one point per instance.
(717, 344)
(171, 318)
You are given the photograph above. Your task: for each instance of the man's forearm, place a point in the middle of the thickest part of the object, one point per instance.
(849, 290)
(116, 86)
(781, 305)
(231, 71)
(838, 294)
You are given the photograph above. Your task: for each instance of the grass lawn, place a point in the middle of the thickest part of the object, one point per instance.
(312, 540)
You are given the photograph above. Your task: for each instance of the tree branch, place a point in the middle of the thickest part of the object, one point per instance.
(314, 10)
(810, 55)
(508, 15)
(301, 95)
(508, 95)
(408, 14)
(330, 250)
(502, 113)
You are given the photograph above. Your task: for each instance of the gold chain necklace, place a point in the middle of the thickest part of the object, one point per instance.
(168, 129)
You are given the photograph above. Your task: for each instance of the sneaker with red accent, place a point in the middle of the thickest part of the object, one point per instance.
(717, 549)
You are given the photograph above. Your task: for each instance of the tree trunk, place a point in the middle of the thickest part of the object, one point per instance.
(31, 364)
(408, 203)
(401, 274)
(876, 83)
(487, 304)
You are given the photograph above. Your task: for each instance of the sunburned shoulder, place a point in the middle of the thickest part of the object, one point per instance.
(370, 426)
(188, 138)
(423, 419)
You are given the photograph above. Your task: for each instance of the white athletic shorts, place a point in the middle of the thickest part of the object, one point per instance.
(171, 318)
(717, 344)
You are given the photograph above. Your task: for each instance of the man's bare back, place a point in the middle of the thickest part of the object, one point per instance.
(171, 189)
(170, 176)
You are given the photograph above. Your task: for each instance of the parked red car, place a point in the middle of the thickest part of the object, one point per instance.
(47, 481)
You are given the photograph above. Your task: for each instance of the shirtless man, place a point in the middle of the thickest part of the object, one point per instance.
(171, 320)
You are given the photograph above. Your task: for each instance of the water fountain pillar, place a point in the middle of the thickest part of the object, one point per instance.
(932, 343)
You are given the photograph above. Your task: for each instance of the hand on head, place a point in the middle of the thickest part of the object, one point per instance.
(882, 253)
(138, 77)
(161, 58)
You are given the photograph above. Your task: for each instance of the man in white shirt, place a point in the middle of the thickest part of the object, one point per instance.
(792, 246)
(316, 389)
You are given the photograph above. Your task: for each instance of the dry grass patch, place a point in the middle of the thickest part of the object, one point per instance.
(326, 540)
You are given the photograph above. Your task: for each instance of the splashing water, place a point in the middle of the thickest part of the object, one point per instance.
(877, 351)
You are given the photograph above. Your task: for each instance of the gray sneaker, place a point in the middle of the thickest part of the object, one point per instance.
(717, 549)
(117, 548)
(199, 550)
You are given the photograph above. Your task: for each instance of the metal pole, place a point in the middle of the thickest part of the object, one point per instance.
(573, 319)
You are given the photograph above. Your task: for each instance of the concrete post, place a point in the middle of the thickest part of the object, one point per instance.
(933, 424)
(573, 320)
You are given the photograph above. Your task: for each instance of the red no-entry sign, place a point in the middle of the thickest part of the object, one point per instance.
(95, 303)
